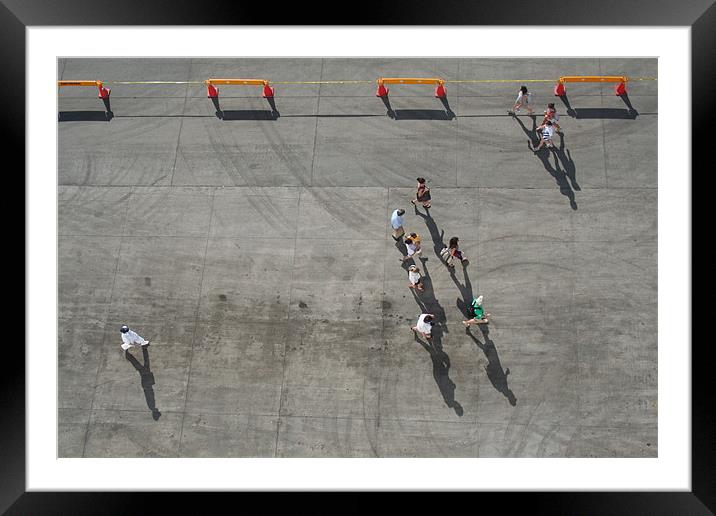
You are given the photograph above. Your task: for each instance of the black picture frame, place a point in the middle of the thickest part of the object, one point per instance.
(700, 15)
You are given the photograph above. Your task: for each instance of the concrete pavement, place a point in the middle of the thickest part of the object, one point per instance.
(254, 251)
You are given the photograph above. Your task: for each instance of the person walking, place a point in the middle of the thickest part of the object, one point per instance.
(550, 115)
(478, 313)
(416, 280)
(130, 338)
(524, 99)
(412, 244)
(424, 325)
(547, 133)
(422, 195)
(452, 251)
(396, 222)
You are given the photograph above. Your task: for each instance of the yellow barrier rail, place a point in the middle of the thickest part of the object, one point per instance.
(103, 92)
(213, 92)
(620, 89)
(383, 91)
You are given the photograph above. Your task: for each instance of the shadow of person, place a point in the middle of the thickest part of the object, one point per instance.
(497, 377)
(531, 133)
(441, 368)
(559, 176)
(566, 158)
(147, 379)
(428, 303)
(465, 291)
(435, 234)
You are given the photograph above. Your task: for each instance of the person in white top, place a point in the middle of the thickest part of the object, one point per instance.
(396, 222)
(523, 100)
(424, 325)
(416, 280)
(414, 249)
(550, 115)
(130, 338)
(547, 133)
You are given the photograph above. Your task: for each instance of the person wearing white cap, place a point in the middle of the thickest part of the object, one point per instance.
(416, 280)
(130, 338)
(424, 325)
(478, 312)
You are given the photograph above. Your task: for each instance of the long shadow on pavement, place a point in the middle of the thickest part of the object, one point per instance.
(441, 368)
(147, 379)
(570, 170)
(465, 291)
(543, 154)
(494, 371)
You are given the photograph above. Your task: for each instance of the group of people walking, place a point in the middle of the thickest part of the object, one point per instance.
(449, 254)
(549, 123)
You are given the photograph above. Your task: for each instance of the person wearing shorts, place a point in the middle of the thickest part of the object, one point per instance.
(424, 325)
(550, 115)
(416, 280)
(547, 133)
(522, 101)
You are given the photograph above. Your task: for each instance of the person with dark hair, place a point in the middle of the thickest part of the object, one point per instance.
(396, 222)
(412, 244)
(453, 251)
(547, 133)
(416, 280)
(524, 99)
(550, 115)
(423, 194)
(424, 325)
(130, 338)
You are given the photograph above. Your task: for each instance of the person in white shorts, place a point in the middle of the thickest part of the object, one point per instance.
(547, 133)
(130, 338)
(424, 325)
(523, 101)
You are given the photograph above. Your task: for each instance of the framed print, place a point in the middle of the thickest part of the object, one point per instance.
(232, 214)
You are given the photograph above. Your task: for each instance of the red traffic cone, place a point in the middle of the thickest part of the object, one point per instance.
(620, 89)
(382, 90)
(440, 91)
(559, 90)
(103, 92)
(211, 91)
(268, 91)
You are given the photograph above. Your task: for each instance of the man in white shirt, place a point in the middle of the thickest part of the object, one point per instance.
(396, 222)
(130, 338)
(425, 325)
